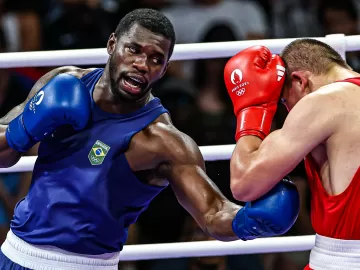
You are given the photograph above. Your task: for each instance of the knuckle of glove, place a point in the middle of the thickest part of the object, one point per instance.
(256, 70)
(279, 208)
(63, 100)
(249, 228)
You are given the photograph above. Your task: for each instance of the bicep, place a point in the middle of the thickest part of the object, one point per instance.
(303, 130)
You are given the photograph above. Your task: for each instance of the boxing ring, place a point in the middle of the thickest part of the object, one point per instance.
(339, 42)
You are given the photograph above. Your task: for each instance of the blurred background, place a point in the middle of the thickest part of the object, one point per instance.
(193, 91)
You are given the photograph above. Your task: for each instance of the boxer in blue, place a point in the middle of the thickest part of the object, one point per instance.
(107, 148)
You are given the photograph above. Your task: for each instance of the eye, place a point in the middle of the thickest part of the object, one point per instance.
(132, 49)
(157, 60)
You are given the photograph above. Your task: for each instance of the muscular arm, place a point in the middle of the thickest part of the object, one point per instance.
(257, 166)
(184, 168)
(8, 156)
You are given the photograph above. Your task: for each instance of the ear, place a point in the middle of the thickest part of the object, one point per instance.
(111, 44)
(300, 81)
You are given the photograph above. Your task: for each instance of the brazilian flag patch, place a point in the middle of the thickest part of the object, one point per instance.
(98, 153)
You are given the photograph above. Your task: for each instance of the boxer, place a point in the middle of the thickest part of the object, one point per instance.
(322, 95)
(107, 148)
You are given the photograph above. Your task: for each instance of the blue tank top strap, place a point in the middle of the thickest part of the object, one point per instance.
(92, 77)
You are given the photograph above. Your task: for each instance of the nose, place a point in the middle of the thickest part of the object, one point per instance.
(140, 63)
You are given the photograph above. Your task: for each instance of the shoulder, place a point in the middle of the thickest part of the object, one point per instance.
(323, 100)
(171, 144)
(320, 109)
(73, 70)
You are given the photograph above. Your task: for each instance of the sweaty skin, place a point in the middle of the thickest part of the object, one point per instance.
(325, 123)
(159, 154)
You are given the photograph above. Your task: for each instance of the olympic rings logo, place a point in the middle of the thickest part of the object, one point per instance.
(240, 92)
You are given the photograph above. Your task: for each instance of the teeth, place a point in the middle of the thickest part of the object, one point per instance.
(131, 84)
(136, 79)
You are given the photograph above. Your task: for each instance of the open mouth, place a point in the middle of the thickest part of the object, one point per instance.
(133, 84)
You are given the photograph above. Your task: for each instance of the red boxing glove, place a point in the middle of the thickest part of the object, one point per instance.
(254, 78)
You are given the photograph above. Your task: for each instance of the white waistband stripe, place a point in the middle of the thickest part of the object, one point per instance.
(51, 258)
(329, 253)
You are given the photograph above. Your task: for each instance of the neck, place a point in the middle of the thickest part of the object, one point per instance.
(338, 73)
(108, 102)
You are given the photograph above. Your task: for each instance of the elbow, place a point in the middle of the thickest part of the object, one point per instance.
(241, 193)
(6, 164)
(244, 188)
(242, 181)
(245, 182)
(9, 161)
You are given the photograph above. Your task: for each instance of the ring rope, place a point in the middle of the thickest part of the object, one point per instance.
(217, 248)
(210, 153)
(339, 42)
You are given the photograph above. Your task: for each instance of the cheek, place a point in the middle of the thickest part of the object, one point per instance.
(156, 74)
(290, 96)
(116, 63)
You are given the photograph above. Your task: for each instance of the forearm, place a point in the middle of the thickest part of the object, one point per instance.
(9, 202)
(8, 156)
(219, 223)
(243, 167)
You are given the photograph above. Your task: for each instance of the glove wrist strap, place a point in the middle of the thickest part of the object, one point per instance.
(17, 137)
(254, 121)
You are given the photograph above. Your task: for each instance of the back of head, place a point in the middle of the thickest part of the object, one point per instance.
(150, 19)
(310, 55)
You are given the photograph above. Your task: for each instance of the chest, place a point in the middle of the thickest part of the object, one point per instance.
(98, 142)
(110, 147)
(144, 159)
(93, 161)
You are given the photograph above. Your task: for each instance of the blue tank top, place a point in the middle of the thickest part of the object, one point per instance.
(83, 194)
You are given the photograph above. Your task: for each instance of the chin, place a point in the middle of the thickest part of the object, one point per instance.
(127, 96)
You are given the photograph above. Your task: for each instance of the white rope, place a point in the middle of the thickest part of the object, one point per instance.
(217, 248)
(181, 52)
(210, 153)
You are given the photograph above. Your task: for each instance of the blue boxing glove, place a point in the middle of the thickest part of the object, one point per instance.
(64, 100)
(272, 214)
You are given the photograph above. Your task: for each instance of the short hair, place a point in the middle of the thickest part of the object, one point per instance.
(150, 19)
(310, 55)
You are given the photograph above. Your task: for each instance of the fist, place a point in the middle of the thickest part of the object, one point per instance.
(254, 78)
(272, 214)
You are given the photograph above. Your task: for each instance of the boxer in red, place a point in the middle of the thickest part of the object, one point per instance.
(322, 94)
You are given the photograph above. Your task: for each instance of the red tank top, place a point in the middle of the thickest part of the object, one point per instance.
(334, 216)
